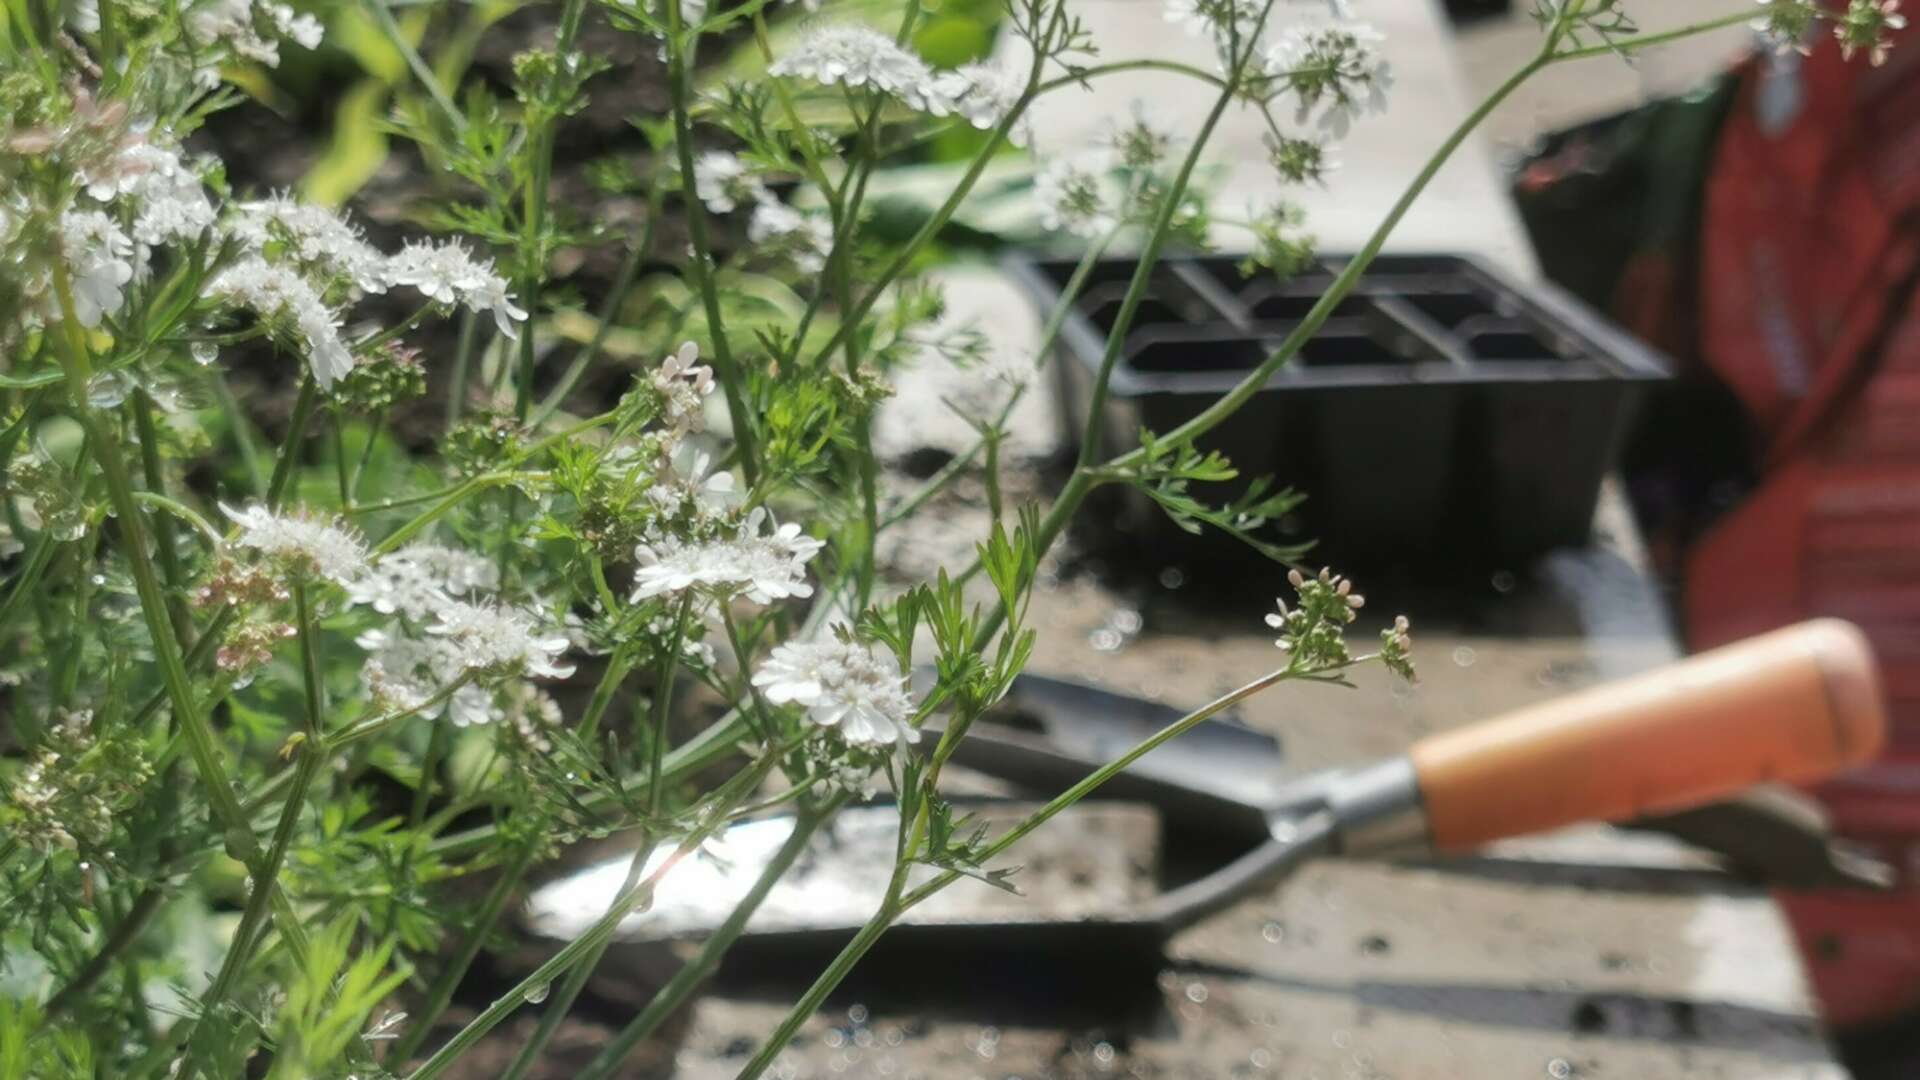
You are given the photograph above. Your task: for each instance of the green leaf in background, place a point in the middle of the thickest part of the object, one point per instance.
(356, 150)
(949, 41)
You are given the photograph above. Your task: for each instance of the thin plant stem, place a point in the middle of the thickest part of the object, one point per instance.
(440, 993)
(556, 1010)
(700, 264)
(264, 874)
(303, 406)
(601, 931)
(695, 972)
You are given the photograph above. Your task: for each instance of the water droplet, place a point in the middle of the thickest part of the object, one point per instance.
(1274, 933)
(1106, 639)
(98, 579)
(1103, 1053)
(1464, 656)
(857, 1013)
(1172, 577)
(537, 993)
(1503, 581)
(835, 1038)
(1559, 1068)
(1260, 1058)
(205, 352)
(1126, 620)
(1197, 993)
(108, 390)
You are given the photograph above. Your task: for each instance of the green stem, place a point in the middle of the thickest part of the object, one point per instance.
(576, 981)
(477, 929)
(700, 267)
(416, 64)
(165, 541)
(265, 873)
(696, 971)
(462, 365)
(303, 407)
(201, 740)
(609, 310)
(600, 932)
(1626, 46)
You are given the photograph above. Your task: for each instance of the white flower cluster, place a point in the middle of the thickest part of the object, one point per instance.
(779, 229)
(442, 593)
(763, 566)
(139, 194)
(1336, 70)
(316, 238)
(246, 30)
(843, 686)
(1072, 194)
(721, 180)
(302, 543)
(448, 274)
(277, 292)
(860, 57)
(684, 387)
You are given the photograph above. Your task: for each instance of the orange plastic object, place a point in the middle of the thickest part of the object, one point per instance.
(1792, 705)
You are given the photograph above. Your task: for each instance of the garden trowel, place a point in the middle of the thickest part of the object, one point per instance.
(1791, 706)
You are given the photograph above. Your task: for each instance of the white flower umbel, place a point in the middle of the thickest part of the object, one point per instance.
(1215, 18)
(844, 686)
(101, 260)
(684, 387)
(1141, 141)
(983, 94)
(248, 30)
(317, 238)
(448, 274)
(722, 182)
(302, 543)
(500, 640)
(1334, 70)
(856, 57)
(762, 566)
(1071, 193)
(277, 292)
(778, 229)
(419, 579)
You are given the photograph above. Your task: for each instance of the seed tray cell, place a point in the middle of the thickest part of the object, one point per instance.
(1442, 413)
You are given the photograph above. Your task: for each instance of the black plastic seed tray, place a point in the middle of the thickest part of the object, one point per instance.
(1442, 413)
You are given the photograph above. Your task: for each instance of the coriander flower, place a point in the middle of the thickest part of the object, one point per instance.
(844, 686)
(403, 674)
(492, 638)
(314, 237)
(722, 182)
(169, 201)
(1868, 24)
(1215, 18)
(101, 259)
(236, 25)
(1142, 142)
(448, 274)
(1071, 193)
(780, 229)
(857, 56)
(1300, 161)
(684, 387)
(983, 95)
(303, 543)
(1787, 24)
(419, 579)
(763, 567)
(1337, 69)
(277, 292)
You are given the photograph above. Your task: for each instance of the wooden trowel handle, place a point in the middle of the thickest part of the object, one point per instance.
(1794, 705)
